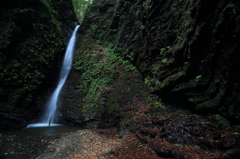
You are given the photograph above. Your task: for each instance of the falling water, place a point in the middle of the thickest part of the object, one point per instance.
(50, 117)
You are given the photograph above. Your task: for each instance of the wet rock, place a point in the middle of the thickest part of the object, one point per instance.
(32, 151)
(122, 133)
(111, 152)
(227, 142)
(163, 152)
(232, 155)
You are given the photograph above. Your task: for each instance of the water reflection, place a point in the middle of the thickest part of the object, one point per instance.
(43, 131)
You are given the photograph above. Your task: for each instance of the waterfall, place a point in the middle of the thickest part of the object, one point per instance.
(50, 116)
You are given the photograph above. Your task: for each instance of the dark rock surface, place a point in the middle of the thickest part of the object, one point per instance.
(31, 49)
(174, 134)
(186, 50)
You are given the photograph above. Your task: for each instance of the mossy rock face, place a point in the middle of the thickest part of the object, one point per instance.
(32, 44)
(100, 84)
(187, 49)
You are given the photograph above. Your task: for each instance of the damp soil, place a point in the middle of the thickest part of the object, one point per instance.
(180, 140)
(98, 144)
(167, 135)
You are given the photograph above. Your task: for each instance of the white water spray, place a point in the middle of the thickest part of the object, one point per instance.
(50, 116)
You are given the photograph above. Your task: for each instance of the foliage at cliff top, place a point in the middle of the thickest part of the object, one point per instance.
(80, 7)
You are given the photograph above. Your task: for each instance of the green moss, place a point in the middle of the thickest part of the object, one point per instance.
(53, 13)
(80, 7)
(182, 111)
(158, 105)
(170, 79)
(31, 40)
(7, 30)
(100, 66)
(124, 124)
(220, 121)
(164, 60)
(198, 78)
(214, 102)
(119, 33)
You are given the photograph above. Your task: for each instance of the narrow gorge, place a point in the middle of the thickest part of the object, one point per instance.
(163, 74)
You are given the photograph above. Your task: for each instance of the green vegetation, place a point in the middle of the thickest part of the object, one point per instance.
(165, 48)
(147, 81)
(54, 14)
(215, 101)
(124, 124)
(154, 102)
(198, 78)
(28, 49)
(100, 64)
(220, 121)
(80, 7)
(165, 60)
(158, 105)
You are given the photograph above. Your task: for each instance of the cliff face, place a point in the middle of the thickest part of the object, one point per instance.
(32, 44)
(188, 51)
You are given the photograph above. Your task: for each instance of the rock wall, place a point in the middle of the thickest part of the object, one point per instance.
(33, 40)
(99, 85)
(188, 51)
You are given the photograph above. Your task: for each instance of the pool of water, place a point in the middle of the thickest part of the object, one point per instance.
(42, 131)
(30, 142)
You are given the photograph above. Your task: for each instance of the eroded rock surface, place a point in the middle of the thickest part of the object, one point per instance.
(186, 50)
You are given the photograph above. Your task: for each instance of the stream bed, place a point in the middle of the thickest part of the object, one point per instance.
(29, 143)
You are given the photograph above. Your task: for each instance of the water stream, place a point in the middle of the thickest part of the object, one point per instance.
(50, 115)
